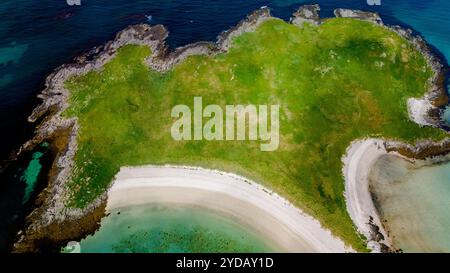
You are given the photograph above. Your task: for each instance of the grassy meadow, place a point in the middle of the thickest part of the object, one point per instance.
(337, 82)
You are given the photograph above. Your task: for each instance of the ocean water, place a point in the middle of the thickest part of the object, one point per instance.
(414, 203)
(37, 36)
(171, 229)
(26, 178)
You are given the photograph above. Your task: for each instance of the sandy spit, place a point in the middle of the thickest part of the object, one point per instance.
(284, 226)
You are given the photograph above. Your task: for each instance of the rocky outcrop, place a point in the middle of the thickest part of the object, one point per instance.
(248, 25)
(437, 97)
(426, 111)
(166, 59)
(358, 14)
(306, 14)
(432, 152)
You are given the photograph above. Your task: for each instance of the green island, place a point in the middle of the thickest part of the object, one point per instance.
(340, 81)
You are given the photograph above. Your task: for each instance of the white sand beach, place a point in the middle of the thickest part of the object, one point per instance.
(277, 220)
(358, 162)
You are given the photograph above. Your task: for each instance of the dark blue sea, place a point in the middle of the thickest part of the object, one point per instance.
(37, 36)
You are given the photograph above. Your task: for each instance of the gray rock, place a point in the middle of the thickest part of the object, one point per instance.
(306, 13)
(358, 14)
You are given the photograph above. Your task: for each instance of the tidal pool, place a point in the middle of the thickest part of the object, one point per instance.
(413, 203)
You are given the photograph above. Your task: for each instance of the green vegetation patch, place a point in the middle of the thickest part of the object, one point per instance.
(337, 82)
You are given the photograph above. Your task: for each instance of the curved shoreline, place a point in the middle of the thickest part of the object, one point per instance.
(269, 214)
(360, 157)
(358, 163)
(52, 211)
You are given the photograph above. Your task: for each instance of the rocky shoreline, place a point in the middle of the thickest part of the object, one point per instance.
(52, 224)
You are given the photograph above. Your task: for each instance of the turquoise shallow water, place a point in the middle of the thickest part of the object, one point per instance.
(415, 203)
(164, 229)
(30, 175)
